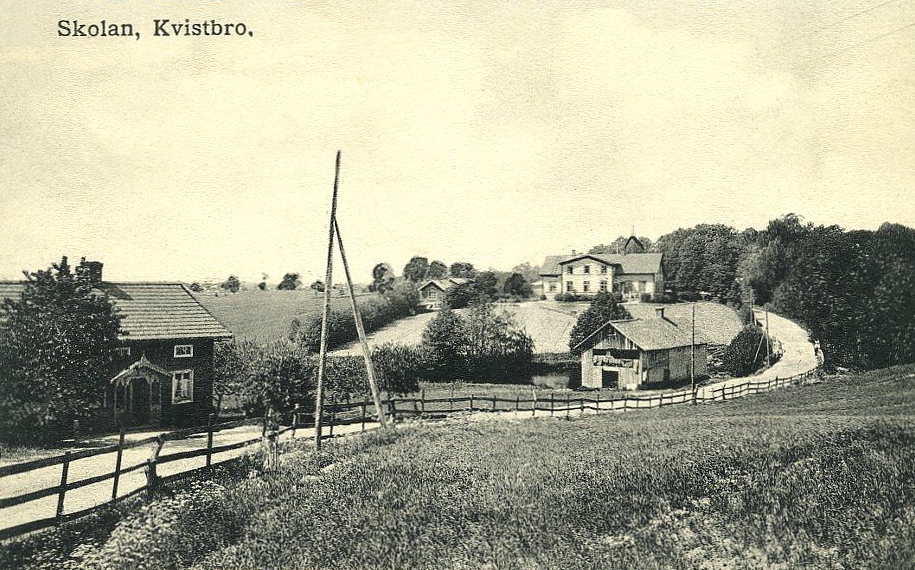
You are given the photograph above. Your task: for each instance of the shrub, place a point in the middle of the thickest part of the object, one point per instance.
(543, 297)
(400, 367)
(645, 297)
(377, 312)
(746, 353)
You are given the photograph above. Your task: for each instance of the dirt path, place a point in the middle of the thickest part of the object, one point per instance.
(99, 493)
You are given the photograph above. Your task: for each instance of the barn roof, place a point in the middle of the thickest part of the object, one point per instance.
(647, 334)
(444, 284)
(151, 310)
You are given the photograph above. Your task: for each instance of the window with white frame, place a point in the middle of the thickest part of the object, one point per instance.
(182, 386)
(587, 268)
(586, 287)
(569, 269)
(122, 351)
(184, 350)
(603, 286)
(568, 286)
(552, 286)
(603, 268)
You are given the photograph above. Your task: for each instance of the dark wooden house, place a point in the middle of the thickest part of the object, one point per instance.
(166, 354)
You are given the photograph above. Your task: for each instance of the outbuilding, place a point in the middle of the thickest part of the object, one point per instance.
(639, 353)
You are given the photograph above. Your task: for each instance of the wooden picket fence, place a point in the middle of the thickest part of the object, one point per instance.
(338, 414)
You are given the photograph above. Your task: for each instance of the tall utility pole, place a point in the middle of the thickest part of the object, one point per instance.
(692, 355)
(369, 367)
(768, 346)
(328, 282)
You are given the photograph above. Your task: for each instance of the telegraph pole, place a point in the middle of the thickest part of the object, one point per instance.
(692, 355)
(322, 358)
(768, 346)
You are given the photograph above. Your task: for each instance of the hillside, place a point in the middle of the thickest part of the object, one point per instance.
(265, 315)
(817, 476)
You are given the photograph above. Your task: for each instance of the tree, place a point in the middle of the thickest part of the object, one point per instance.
(382, 278)
(231, 284)
(445, 342)
(463, 269)
(233, 363)
(399, 367)
(317, 286)
(290, 282)
(530, 272)
(486, 284)
(437, 270)
(195, 287)
(415, 270)
(602, 309)
(702, 260)
(517, 285)
(58, 342)
(461, 295)
(263, 284)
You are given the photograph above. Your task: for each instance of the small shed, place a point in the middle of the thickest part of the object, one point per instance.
(432, 292)
(638, 353)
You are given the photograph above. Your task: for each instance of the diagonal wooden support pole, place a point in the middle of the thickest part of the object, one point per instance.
(369, 367)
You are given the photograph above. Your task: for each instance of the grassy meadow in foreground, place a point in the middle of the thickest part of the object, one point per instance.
(820, 476)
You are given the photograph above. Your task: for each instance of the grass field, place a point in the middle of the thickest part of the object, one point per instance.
(265, 315)
(549, 323)
(819, 476)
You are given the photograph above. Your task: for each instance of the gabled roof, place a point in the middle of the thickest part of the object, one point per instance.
(445, 284)
(137, 369)
(151, 311)
(641, 263)
(647, 334)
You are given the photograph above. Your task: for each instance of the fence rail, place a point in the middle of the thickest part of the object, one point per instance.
(338, 414)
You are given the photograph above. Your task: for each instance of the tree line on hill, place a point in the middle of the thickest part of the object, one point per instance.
(854, 290)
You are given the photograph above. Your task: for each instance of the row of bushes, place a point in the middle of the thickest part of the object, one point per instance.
(376, 313)
(283, 374)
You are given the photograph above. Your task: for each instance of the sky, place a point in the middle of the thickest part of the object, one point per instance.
(493, 132)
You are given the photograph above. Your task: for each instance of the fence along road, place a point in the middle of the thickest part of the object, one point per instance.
(89, 475)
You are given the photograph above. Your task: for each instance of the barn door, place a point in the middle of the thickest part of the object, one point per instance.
(610, 379)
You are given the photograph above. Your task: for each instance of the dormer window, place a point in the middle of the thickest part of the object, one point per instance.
(184, 350)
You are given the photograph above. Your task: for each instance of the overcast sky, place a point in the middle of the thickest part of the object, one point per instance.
(494, 132)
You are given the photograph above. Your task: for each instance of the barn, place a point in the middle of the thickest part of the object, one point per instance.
(165, 359)
(640, 353)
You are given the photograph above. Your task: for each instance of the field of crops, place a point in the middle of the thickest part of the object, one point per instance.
(265, 315)
(818, 476)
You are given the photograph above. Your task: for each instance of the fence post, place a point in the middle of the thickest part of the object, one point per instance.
(568, 405)
(117, 467)
(333, 419)
(450, 403)
(517, 401)
(582, 405)
(598, 401)
(534, 405)
(62, 492)
(552, 403)
(422, 399)
(152, 480)
(210, 419)
(471, 402)
(363, 413)
(493, 403)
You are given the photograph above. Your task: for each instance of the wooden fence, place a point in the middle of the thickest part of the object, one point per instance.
(339, 414)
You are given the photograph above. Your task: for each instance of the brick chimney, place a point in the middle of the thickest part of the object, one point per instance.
(90, 271)
(659, 312)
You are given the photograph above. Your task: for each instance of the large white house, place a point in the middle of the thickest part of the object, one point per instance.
(628, 274)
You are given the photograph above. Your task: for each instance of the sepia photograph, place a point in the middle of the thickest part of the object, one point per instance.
(587, 284)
